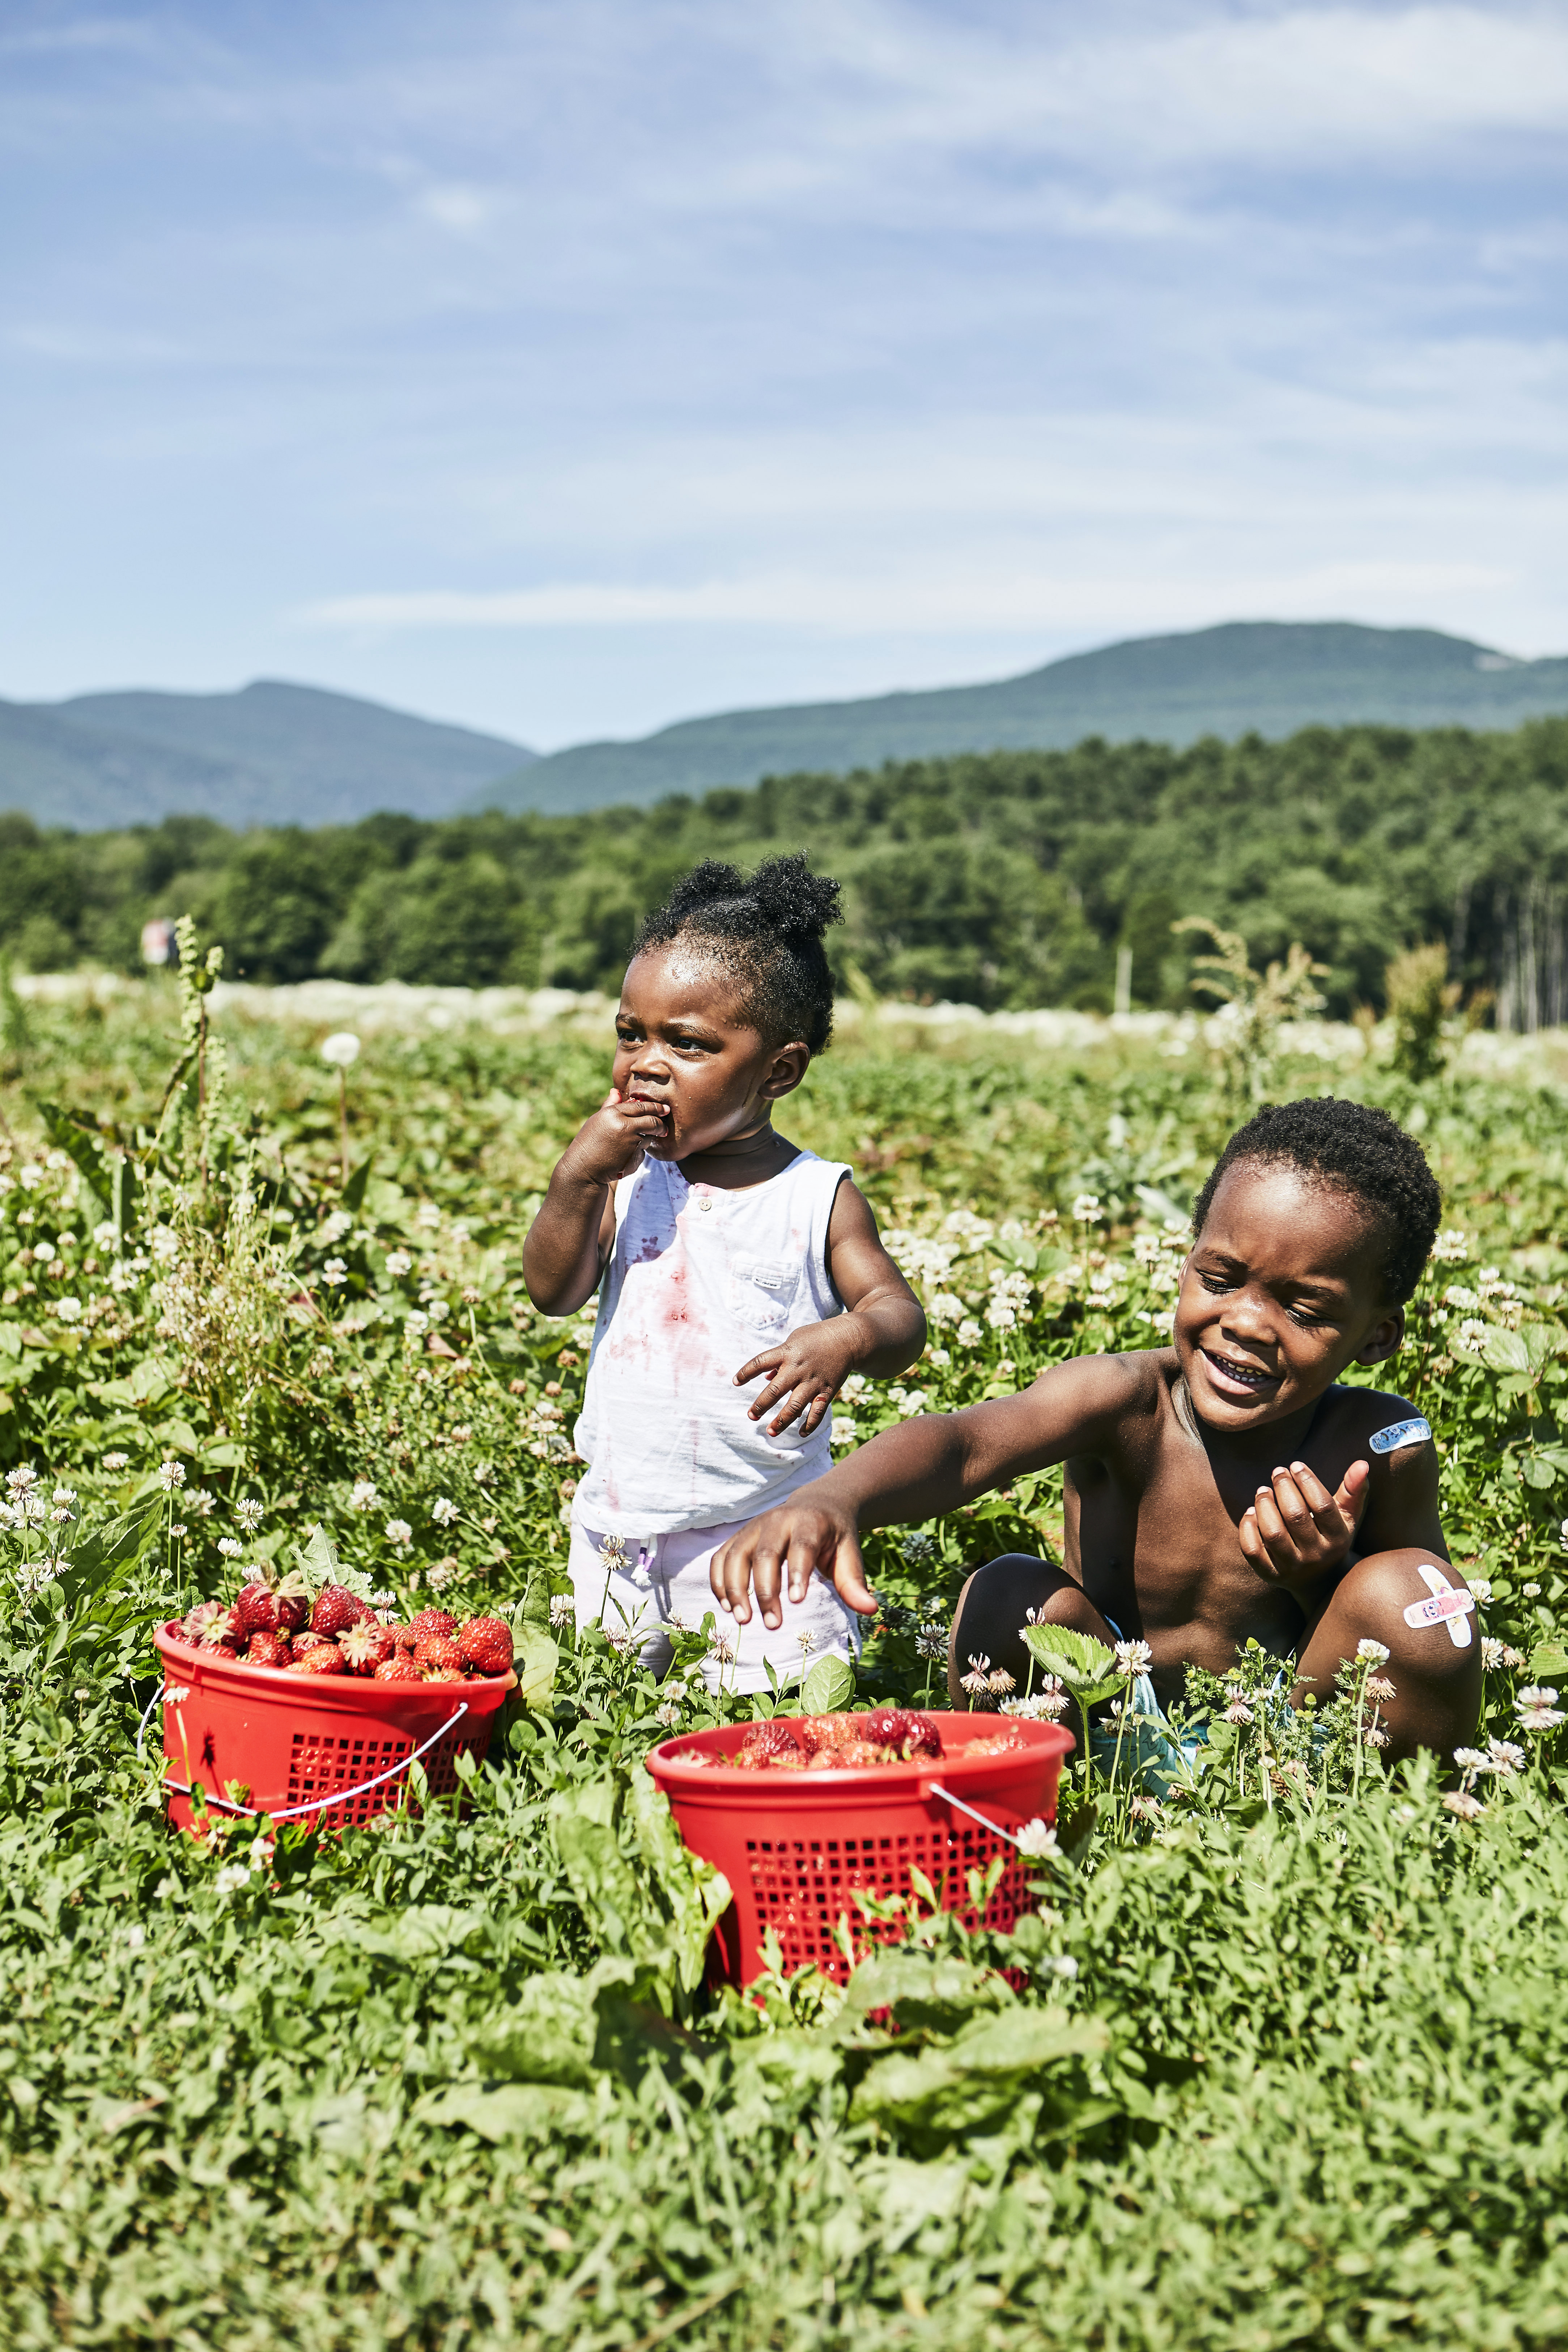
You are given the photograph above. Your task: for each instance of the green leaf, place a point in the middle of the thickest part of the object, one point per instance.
(1086, 1667)
(517, 2111)
(1505, 1351)
(932, 2097)
(828, 1687)
(537, 1659)
(354, 1191)
(1549, 1659)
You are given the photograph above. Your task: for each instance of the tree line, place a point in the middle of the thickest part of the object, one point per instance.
(1005, 878)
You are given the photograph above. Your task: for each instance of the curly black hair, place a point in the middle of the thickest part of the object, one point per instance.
(1354, 1150)
(767, 934)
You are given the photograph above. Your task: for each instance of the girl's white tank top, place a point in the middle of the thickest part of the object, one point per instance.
(699, 1281)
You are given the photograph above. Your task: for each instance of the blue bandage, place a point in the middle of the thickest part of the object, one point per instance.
(1400, 1432)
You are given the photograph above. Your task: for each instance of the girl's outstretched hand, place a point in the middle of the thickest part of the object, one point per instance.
(793, 1542)
(1294, 1531)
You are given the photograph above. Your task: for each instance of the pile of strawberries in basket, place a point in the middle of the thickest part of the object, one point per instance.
(837, 1743)
(279, 1626)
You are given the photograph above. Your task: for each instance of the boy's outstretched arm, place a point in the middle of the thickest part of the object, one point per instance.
(928, 1466)
(881, 1331)
(570, 1238)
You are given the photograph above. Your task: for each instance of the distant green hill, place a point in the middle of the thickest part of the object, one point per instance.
(1264, 677)
(269, 754)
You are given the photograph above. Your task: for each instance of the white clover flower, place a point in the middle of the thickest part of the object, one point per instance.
(67, 1310)
(930, 1642)
(65, 1494)
(399, 1534)
(114, 1462)
(1504, 1758)
(1379, 1688)
(1461, 1802)
(807, 1640)
(43, 1252)
(944, 1306)
(842, 1430)
(398, 1264)
(722, 1649)
(1470, 1338)
(414, 1325)
(428, 1217)
(669, 1714)
(249, 1514)
(1451, 1246)
(171, 1475)
(612, 1551)
(1457, 1294)
(969, 1333)
(1470, 1759)
(1538, 1710)
(365, 1497)
(1038, 1840)
(977, 1680)
(440, 1575)
(1378, 1652)
(341, 1049)
(912, 1402)
(1481, 1588)
(229, 1547)
(563, 1610)
(1134, 1658)
(1087, 1210)
(231, 1878)
(335, 1273)
(438, 1309)
(1237, 1712)
(1375, 1737)
(23, 1479)
(105, 1237)
(199, 1502)
(444, 1511)
(1531, 1591)
(1000, 1680)
(1063, 1965)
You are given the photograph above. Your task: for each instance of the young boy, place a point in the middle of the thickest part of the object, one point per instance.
(1223, 1488)
(741, 1279)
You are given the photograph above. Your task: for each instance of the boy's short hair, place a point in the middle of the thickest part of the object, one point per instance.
(767, 933)
(1354, 1150)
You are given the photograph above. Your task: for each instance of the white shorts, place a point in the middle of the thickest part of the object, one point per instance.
(664, 1581)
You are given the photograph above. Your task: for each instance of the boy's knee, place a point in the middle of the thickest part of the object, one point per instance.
(1377, 1592)
(998, 1601)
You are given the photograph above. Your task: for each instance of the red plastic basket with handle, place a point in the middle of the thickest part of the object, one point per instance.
(327, 1747)
(797, 1846)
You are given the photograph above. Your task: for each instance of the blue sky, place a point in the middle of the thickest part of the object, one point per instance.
(568, 369)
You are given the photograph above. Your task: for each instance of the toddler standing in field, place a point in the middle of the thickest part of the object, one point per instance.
(741, 1280)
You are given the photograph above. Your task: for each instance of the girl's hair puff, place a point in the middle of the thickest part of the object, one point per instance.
(766, 934)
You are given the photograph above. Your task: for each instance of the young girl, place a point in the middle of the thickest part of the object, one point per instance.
(740, 1279)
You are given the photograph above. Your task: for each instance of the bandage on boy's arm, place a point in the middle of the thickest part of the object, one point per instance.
(927, 1466)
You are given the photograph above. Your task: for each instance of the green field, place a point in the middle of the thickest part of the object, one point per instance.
(1274, 2062)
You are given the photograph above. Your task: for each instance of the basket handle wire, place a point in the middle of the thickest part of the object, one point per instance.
(935, 1789)
(313, 1804)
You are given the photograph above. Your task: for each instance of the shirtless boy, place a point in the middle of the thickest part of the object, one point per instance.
(1223, 1488)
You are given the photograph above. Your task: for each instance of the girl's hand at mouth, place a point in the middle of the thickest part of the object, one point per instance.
(611, 1143)
(1294, 1531)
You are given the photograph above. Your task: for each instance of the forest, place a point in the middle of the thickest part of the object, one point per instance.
(1009, 878)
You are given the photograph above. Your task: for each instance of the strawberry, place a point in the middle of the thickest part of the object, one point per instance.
(485, 1645)
(319, 1658)
(366, 1646)
(429, 1622)
(770, 1741)
(271, 1604)
(195, 1620)
(336, 1610)
(887, 1725)
(268, 1650)
(219, 1633)
(858, 1752)
(399, 1668)
(442, 1651)
(444, 1675)
(922, 1737)
(816, 1731)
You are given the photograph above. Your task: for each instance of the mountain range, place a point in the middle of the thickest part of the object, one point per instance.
(274, 753)
(269, 754)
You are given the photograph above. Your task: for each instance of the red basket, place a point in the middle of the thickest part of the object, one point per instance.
(795, 1846)
(326, 1748)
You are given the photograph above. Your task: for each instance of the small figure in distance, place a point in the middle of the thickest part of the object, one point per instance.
(740, 1279)
(1222, 1488)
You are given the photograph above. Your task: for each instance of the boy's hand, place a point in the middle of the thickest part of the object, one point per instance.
(806, 1369)
(610, 1143)
(1295, 1530)
(795, 1541)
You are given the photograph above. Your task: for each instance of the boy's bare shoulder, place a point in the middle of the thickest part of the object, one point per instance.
(1109, 1395)
(1362, 1415)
